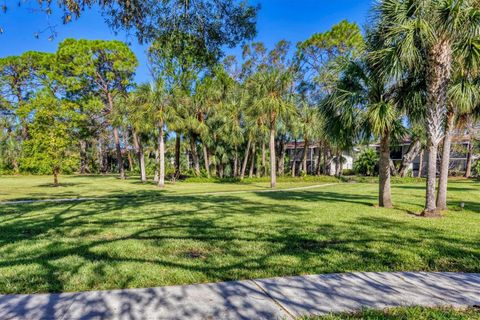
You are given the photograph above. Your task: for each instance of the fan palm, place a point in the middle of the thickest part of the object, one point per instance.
(155, 102)
(361, 94)
(430, 35)
(271, 88)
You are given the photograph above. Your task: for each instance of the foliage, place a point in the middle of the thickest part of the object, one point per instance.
(476, 168)
(214, 23)
(367, 162)
(51, 135)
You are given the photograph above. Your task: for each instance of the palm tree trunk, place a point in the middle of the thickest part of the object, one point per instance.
(338, 160)
(439, 62)
(127, 151)
(140, 156)
(252, 161)
(161, 151)
(325, 159)
(264, 167)
(444, 166)
(196, 160)
(235, 163)
(177, 155)
(304, 157)
(273, 170)
(206, 160)
(384, 195)
(245, 159)
(420, 164)
(156, 175)
(319, 158)
(281, 160)
(118, 149)
(294, 158)
(468, 168)
(430, 205)
(116, 139)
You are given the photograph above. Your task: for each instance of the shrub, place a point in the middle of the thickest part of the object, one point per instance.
(367, 162)
(476, 169)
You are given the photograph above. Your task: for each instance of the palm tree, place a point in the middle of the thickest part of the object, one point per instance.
(429, 35)
(463, 96)
(470, 122)
(359, 88)
(311, 127)
(155, 101)
(137, 117)
(271, 88)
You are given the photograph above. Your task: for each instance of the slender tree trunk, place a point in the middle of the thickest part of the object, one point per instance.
(439, 62)
(408, 157)
(196, 160)
(304, 157)
(206, 160)
(420, 165)
(252, 162)
(235, 163)
(468, 168)
(294, 158)
(140, 155)
(56, 170)
(318, 154)
(15, 166)
(245, 160)
(220, 170)
(177, 156)
(100, 155)
(281, 160)
(273, 170)
(161, 151)
(325, 160)
(384, 195)
(445, 163)
(127, 150)
(118, 148)
(116, 138)
(264, 166)
(156, 175)
(430, 205)
(338, 161)
(83, 156)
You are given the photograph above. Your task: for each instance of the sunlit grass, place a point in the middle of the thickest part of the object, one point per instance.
(410, 313)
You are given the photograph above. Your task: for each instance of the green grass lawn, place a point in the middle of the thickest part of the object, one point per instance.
(40, 187)
(412, 313)
(142, 237)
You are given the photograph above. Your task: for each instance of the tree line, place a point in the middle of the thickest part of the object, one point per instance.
(412, 72)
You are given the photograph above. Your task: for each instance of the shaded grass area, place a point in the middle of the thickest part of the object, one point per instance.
(411, 313)
(153, 240)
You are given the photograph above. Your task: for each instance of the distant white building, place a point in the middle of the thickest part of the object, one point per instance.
(458, 157)
(312, 158)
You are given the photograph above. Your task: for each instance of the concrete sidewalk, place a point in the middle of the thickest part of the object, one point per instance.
(276, 298)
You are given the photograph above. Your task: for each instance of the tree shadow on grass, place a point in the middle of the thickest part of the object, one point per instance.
(321, 196)
(110, 243)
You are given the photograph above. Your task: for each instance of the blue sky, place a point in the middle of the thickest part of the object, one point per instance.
(278, 19)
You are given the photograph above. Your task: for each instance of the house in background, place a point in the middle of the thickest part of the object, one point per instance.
(295, 154)
(461, 143)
